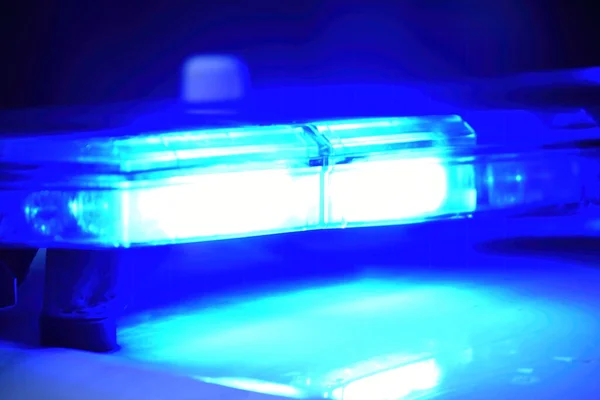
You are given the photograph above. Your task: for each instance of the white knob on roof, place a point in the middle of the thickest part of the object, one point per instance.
(213, 79)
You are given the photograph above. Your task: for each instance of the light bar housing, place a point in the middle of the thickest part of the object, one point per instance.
(109, 189)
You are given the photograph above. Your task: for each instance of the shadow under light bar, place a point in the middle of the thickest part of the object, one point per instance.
(106, 191)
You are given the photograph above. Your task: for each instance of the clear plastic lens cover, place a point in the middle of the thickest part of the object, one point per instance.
(146, 152)
(349, 138)
(222, 183)
(233, 147)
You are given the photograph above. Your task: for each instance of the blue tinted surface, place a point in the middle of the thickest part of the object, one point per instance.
(377, 313)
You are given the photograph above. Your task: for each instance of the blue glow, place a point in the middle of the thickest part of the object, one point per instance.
(395, 383)
(361, 193)
(513, 327)
(223, 204)
(223, 183)
(402, 336)
(194, 337)
(231, 204)
(493, 331)
(256, 386)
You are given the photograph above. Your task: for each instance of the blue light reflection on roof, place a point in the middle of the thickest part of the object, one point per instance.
(216, 340)
(436, 333)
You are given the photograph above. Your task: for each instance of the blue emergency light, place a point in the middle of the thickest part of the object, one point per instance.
(86, 190)
(102, 190)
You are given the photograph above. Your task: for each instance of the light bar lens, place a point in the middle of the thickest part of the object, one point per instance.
(224, 204)
(224, 183)
(107, 153)
(371, 192)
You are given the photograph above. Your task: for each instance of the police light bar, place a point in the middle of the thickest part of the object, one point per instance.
(108, 190)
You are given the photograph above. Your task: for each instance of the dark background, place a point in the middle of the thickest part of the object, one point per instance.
(84, 51)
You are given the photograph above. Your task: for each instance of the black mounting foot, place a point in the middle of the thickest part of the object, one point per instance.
(81, 302)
